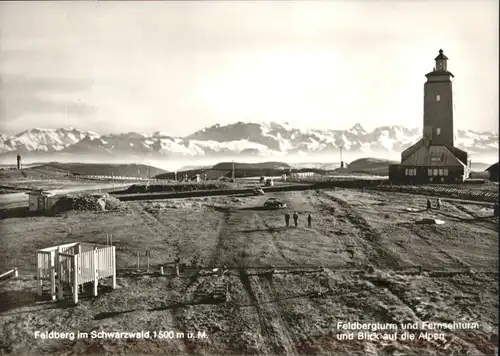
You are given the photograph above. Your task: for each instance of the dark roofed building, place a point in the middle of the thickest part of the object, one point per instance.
(493, 171)
(434, 158)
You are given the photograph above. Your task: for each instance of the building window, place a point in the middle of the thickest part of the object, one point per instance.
(438, 98)
(438, 131)
(436, 157)
(437, 172)
(411, 172)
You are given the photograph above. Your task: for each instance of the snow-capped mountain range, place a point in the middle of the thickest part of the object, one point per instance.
(248, 139)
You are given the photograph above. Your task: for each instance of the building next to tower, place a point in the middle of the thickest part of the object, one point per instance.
(434, 158)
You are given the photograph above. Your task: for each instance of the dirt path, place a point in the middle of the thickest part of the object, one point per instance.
(217, 257)
(156, 227)
(273, 327)
(378, 255)
(276, 238)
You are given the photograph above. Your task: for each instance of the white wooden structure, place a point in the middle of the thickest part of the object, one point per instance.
(74, 264)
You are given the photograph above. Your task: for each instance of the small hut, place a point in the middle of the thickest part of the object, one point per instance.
(40, 200)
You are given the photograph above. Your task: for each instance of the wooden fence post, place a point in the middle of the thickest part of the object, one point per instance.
(38, 274)
(59, 275)
(96, 276)
(52, 276)
(113, 257)
(75, 279)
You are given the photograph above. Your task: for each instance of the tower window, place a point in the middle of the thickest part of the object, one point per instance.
(438, 98)
(438, 131)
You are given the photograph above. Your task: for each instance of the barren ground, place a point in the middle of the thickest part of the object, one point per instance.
(367, 243)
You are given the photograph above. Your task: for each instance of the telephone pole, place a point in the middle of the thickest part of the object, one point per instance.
(233, 170)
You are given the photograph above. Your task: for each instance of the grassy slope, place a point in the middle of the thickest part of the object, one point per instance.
(56, 169)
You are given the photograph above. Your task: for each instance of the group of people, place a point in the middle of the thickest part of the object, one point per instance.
(295, 217)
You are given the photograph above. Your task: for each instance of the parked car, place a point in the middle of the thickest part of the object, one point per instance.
(274, 203)
(258, 191)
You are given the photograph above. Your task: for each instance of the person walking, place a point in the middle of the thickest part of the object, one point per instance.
(309, 220)
(429, 205)
(495, 209)
(287, 219)
(438, 203)
(295, 218)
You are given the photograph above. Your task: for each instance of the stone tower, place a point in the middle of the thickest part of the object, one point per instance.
(438, 104)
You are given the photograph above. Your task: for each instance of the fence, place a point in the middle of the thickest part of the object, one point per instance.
(104, 177)
(74, 264)
(459, 192)
(316, 177)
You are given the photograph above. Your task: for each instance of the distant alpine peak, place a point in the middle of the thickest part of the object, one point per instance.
(357, 128)
(240, 138)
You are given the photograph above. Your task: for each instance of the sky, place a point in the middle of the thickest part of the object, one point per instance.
(177, 67)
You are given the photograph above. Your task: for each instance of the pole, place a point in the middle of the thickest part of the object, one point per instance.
(137, 260)
(96, 276)
(113, 255)
(75, 280)
(341, 163)
(233, 169)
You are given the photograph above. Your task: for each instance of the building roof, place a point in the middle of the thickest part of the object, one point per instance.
(438, 73)
(492, 167)
(423, 157)
(440, 55)
(40, 192)
(410, 150)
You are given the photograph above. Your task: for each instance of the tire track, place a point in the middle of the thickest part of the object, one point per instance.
(245, 281)
(274, 237)
(287, 333)
(423, 237)
(380, 257)
(216, 259)
(272, 324)
(153, 223)
(156, 226)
